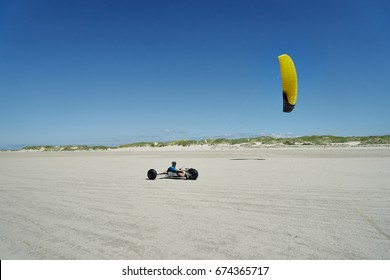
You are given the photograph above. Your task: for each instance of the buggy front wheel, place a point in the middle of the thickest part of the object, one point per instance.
(152, 174)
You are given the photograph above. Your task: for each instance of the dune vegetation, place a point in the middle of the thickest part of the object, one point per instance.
(314, 140)
(67, 148)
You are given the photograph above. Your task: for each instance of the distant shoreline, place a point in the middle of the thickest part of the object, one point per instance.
(226, 143)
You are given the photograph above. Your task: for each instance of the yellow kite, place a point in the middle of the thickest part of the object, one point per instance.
(289, 82)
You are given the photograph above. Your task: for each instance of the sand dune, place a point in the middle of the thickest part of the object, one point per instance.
(280, 203)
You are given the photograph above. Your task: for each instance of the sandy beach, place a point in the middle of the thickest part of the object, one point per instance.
(276, 203)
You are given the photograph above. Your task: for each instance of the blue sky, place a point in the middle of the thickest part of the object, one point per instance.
(114, 72)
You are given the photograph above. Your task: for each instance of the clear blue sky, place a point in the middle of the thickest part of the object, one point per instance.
(114, 72)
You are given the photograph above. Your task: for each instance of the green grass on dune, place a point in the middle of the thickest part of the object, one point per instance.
(67, 148)
(315, 140)
(322, 140)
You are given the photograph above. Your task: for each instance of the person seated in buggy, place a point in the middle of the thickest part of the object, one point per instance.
(173, 171)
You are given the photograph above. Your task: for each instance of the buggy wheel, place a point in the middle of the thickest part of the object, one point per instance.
(193, 174)
(152, 174)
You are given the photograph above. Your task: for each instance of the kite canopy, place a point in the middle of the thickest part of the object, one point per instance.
(289, 82)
